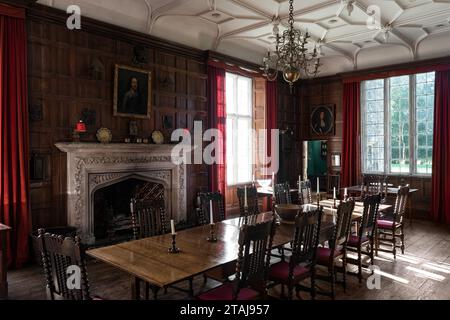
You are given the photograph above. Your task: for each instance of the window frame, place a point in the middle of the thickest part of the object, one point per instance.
(387, 129)
(234, 117)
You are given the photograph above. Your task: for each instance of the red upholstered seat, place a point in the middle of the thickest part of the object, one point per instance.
(385, 224)
(225, 292)
(323, 255)
(280, 272)
(353, 240)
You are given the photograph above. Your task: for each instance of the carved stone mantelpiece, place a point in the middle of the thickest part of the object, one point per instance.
(93, 166)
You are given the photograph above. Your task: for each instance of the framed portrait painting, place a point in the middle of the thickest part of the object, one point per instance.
(132, 92)
(323, 120)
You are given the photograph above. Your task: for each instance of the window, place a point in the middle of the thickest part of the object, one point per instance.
(397, 124)
(239, 129)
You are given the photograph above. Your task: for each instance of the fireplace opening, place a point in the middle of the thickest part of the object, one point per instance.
(112, 216)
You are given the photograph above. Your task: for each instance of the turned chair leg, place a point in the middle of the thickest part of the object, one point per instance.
(344, 270)
(359, 265)
(402, 238)
(394, 242)
(333, 283)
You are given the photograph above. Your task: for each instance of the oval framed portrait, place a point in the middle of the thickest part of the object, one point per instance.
(322, 120)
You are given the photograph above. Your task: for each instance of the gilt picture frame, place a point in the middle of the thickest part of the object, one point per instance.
(132, 92)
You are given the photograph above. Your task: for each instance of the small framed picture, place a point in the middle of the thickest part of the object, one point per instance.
(132, 92)
(322, 122)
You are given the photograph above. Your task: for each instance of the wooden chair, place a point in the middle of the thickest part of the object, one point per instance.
(58, 254)
(252, 200)
(302, 262)
(374, 184)
(337, 247)
(333, 181)
(252, 267)
(283, 193)
(217, 200)
(148, 218)
(389, 230)
(366, 233)
(221, 273)
(305, 195)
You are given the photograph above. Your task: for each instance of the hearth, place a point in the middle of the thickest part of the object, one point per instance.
(93, 166)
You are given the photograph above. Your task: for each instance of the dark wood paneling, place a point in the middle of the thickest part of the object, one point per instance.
(62, 85)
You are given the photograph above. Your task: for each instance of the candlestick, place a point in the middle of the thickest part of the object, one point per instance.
(211, 215)
(245, 197)
(173, 248)
(172, 226)
(212, 233)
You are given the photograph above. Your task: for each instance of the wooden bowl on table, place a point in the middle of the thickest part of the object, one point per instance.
(287, 212)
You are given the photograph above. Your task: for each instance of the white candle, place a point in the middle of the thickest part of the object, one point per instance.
(334, 192)
(299, 180)
(172, 226)
(245, 198)
(318, 186)
(211, 216)
(253, 178)
(345, 192)
(131, 206)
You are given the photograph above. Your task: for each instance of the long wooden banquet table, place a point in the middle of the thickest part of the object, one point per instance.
(149, 260)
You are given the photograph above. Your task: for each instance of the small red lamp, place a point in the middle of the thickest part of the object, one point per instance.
(80, 127)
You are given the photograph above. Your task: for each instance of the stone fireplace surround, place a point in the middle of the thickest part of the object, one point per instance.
(93, 166)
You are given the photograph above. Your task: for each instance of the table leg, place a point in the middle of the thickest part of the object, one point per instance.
(3, 280)
(135, 288)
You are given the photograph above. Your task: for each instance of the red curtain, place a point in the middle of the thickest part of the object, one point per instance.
(440, 194)
(217, 118)
(14, 182)
(350, 159)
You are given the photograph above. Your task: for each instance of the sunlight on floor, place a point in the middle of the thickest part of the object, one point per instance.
(391, 276)
(426, 274)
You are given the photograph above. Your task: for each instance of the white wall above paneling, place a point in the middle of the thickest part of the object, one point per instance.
(407, 30)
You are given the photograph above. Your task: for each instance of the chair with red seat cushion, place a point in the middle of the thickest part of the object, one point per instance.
(389, 230)
(366, 233)
(252, 266)
(302, 262)
(58, 255)
(337, 247)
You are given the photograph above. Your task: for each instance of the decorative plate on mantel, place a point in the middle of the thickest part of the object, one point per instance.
(157, 137)
(104, 135)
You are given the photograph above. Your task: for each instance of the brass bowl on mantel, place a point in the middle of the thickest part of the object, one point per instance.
(287, 212)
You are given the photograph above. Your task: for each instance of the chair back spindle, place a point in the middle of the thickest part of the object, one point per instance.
(252, 200)
(305, 195)
(282, 193)
(252, 267)
(218, 207)
(148, 218)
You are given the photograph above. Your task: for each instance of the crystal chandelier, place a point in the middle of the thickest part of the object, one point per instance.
(291, 55)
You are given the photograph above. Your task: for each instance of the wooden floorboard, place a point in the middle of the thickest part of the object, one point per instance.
(422, 273)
